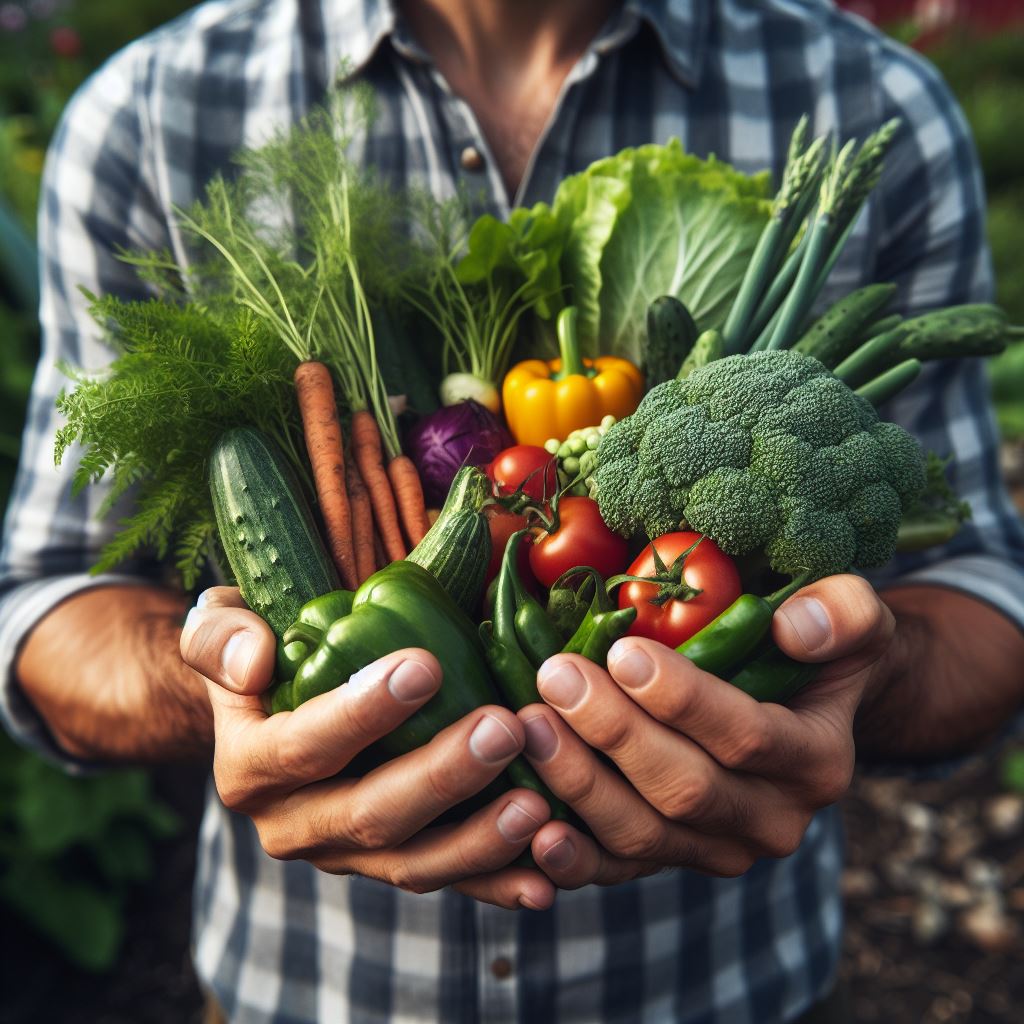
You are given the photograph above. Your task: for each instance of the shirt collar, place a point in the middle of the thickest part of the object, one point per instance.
(354, 29)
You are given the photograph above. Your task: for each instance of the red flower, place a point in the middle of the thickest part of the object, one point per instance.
(65, 42)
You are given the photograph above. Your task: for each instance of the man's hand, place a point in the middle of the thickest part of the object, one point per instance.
(282, 770)
(708, 778)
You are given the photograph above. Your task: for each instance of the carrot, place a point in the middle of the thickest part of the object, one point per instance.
(367, 450)
(314, 389)
(412, 508)
(362, 522)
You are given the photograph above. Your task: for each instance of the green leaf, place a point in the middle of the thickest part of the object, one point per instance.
(85, 922)
(656, 221)
(1013, 769)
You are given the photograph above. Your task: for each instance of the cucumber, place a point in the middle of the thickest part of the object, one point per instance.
(708, 347)
(978, 329)
(266, 528)
(457, 548)
(671, 333)
(839, 329)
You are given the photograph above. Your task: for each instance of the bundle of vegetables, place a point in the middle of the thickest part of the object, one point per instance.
(756, 461)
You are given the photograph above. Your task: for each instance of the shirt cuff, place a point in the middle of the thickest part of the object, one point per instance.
(21, 608)
(996, 582)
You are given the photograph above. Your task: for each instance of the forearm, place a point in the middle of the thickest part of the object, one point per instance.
(952, 677)
(104, 671)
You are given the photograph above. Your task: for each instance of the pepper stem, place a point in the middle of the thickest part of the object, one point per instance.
(786, 592)
(569, 346)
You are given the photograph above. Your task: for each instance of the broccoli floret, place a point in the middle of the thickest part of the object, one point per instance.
(765, 451)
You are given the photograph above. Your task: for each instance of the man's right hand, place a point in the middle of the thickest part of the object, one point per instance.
(282, 770)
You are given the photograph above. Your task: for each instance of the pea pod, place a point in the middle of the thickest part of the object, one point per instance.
(729, 639)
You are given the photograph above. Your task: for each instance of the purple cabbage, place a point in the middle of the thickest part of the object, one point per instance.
(464, 434)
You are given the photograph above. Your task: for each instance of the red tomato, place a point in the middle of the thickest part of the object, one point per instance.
(581, 539)
(525, 464)
(502, 525)
(707, 569)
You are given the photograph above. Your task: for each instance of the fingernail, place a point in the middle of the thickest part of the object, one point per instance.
(809, 620)
(541, 741)
(515, 824)
(562, 684)
(560, 855)
(190, 619)
(411, 681)
(201, 600)
(237, 655)
(630, 665)
(492, 741)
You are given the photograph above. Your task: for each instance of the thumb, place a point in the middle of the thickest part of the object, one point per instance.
(835, 618)
(231, 646)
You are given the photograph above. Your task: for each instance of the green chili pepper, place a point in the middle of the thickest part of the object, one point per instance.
(600, 603)
(515, 675)
(608, 627)
(728, 640)
(537, 635)
(773, 677)
(303, 635)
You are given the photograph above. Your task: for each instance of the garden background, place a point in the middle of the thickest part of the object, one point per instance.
(95, 874)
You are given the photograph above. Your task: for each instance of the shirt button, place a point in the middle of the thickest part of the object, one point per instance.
(501, 968)
(471, 159)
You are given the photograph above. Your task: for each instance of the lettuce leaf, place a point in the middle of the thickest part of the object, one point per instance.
(648, 221)
(656, 221)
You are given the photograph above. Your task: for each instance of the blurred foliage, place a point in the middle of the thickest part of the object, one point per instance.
(70, 848)
(987, 76)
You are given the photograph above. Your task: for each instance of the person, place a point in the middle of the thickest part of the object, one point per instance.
(709, 887)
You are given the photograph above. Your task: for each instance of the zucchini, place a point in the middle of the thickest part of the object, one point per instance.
(671, 333)
(457, 548)
(266, 528)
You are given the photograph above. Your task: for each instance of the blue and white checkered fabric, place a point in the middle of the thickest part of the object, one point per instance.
(280, 941)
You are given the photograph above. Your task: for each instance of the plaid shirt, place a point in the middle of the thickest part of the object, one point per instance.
(282, 941)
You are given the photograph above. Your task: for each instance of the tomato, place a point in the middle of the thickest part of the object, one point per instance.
(502, 525)
(707, 568)
(581, 539)
(528, 465)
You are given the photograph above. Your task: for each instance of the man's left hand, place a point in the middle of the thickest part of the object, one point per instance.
(704, 777)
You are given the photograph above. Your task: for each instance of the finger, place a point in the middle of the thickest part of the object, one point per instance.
(622, 821)
(256, 755)
(230, 645)
(438, 857)
(221, 597)
(768, 740)
(511, 888)
(672, 772)
(572, 860)
(832, 620)
(398, 799)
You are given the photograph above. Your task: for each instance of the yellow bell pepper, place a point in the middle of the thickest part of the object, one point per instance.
(545, 399)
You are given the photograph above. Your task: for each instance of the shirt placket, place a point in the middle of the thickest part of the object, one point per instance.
(496, 967)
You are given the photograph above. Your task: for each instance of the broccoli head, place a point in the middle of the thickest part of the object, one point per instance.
(763, 452)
